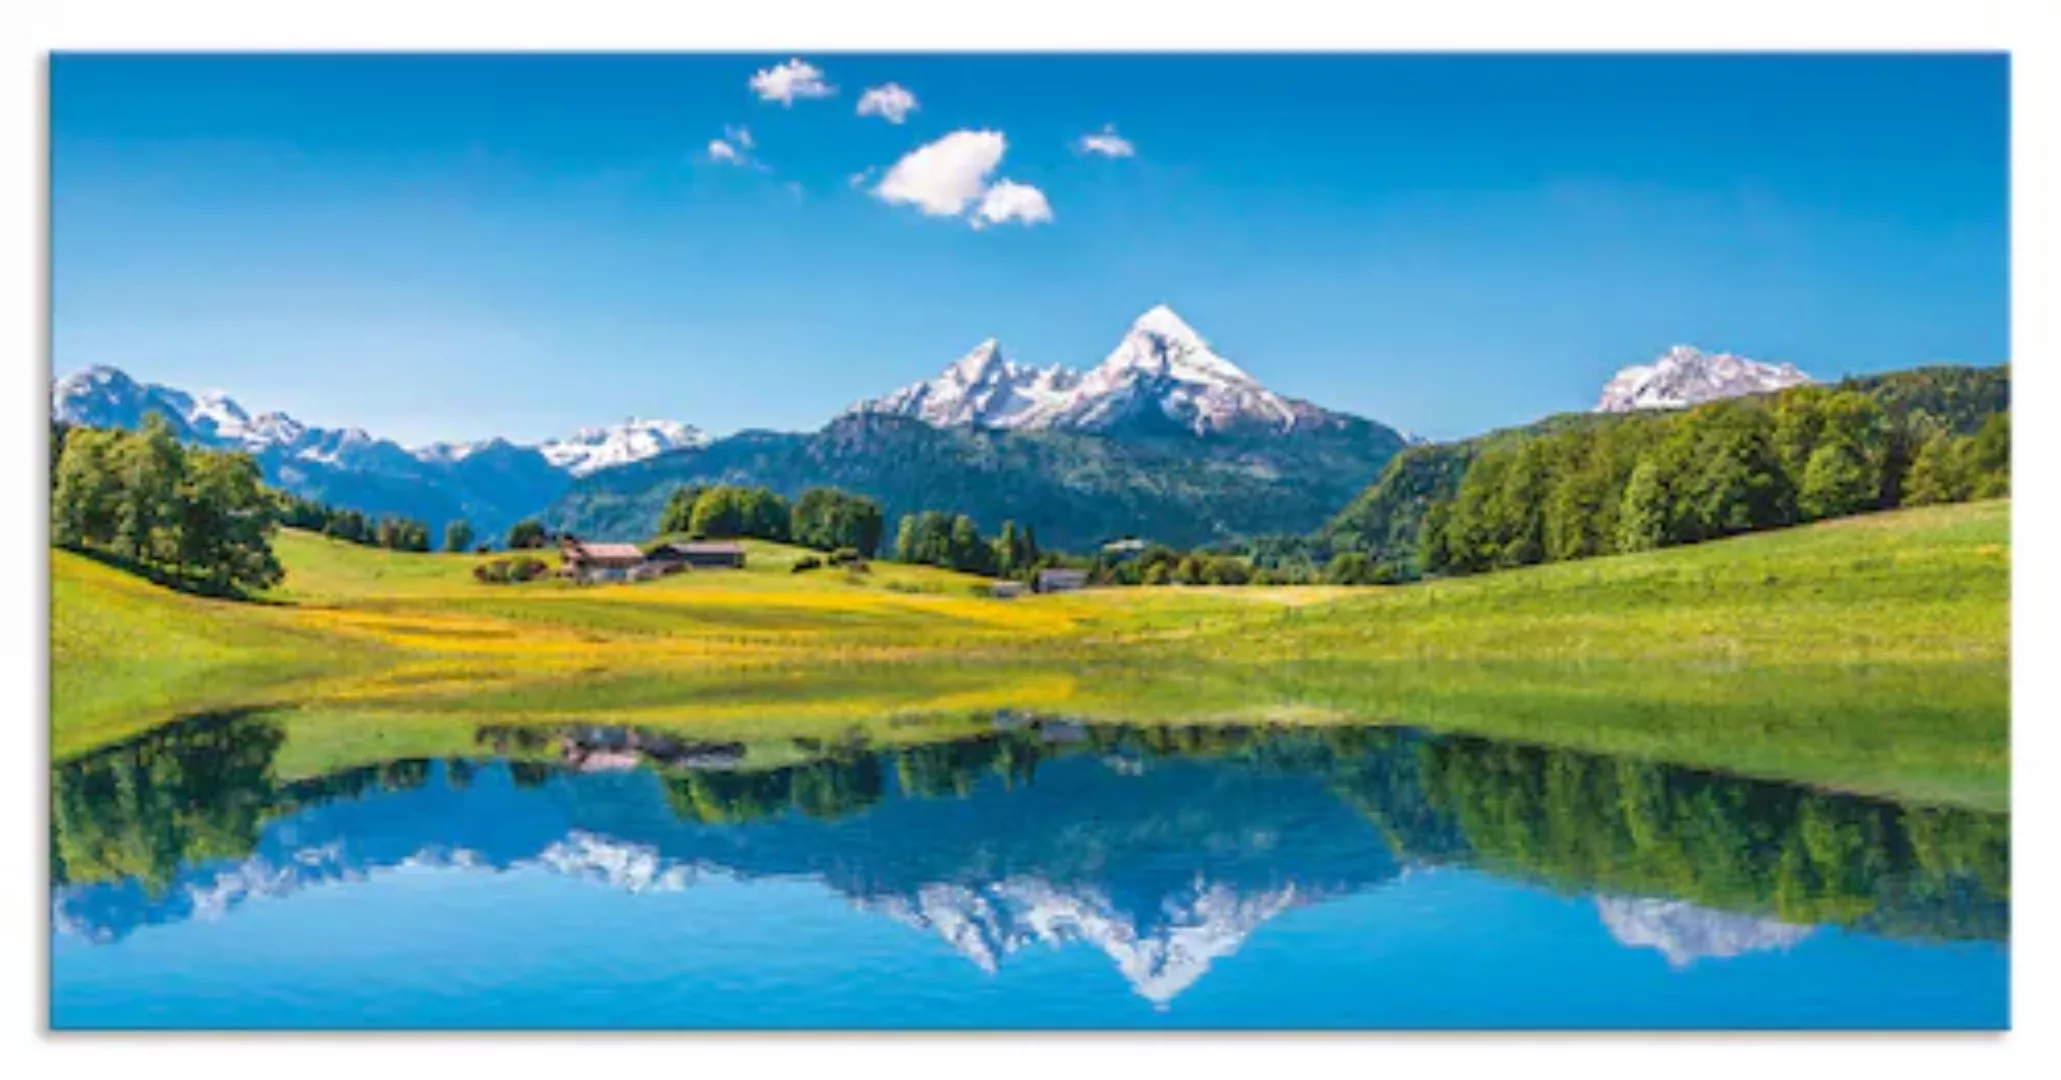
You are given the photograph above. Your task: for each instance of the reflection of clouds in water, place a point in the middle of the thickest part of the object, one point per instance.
(1686, 933)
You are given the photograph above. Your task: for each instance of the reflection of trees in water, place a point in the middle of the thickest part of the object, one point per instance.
(197, 790)
(202, 790)
(825, 789)
(1584, 822)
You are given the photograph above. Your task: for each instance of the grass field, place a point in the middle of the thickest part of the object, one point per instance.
(1869, 653)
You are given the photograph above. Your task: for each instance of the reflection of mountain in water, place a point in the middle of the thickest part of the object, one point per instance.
(1685, 933)
(1163, 848)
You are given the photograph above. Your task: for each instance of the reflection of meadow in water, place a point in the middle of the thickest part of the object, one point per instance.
(1165, 845)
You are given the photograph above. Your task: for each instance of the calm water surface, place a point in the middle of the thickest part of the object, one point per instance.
(1042, 874)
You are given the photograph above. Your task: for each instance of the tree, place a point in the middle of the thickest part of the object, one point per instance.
(83, 506)
(527, 533)
(1940, 473)
(1837, 482)
(226, 523)
(1008, 547)
(762, 514)
(905, 539)
(1642, 517)
(58, 430)
(1990, 458)
(1350, 568)
(457, 535)
(718, 513)
(968, 552)
(1581, 507)
(1728, 477)
(1434, 554)
(150, 464)
(679, 512)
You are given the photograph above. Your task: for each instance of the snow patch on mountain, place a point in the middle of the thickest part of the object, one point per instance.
(593, 449)
(1685, 375)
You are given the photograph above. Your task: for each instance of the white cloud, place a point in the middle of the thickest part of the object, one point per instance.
(739, 135)
(1107, 143)
(892, 103)
(942, 178)
(1011, 201)
(796, 78)
(718, 150)
(949, 178)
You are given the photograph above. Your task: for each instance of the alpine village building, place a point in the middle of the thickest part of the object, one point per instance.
(593, 562)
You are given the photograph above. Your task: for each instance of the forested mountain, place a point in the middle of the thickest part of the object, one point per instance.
(1074, 489)
(1385, 519)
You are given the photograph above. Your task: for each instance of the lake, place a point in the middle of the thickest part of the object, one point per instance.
(1037, 872)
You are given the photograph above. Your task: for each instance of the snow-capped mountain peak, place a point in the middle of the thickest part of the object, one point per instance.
(1163, 367)
(984, 388)
(1162, 343)
(977, 364)
(1162, 371)
(218, 409)
(592, 449)
(1685, 375)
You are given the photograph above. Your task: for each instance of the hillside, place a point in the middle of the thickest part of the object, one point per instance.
(1870, 651)
(1384, 519)
(1076, 490)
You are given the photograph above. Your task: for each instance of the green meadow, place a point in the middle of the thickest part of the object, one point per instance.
(1868, 654)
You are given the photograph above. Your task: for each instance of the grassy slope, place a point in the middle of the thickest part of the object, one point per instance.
(1869, 653)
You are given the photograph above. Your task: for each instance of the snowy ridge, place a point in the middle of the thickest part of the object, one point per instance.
(106, 397)
(1685, 375)
(593, 449)
(1161, 370)
(982, 389)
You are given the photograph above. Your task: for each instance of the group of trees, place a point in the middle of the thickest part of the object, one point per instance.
(1716, 470)
(1956, 468)
(829, 520)
(199, 519)
(823, 518)
(392, 532)
(952, 541)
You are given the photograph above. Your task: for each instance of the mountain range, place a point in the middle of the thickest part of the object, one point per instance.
(491, 483)
(1164, 438)
(1162, 377)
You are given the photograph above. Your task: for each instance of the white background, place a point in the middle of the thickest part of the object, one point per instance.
(35, 27)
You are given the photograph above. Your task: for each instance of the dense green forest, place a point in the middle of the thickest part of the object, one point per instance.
(1919, 430)
(194, 519)
(1705, 473)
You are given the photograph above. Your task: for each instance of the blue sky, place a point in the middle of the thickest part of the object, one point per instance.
(453, 247)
